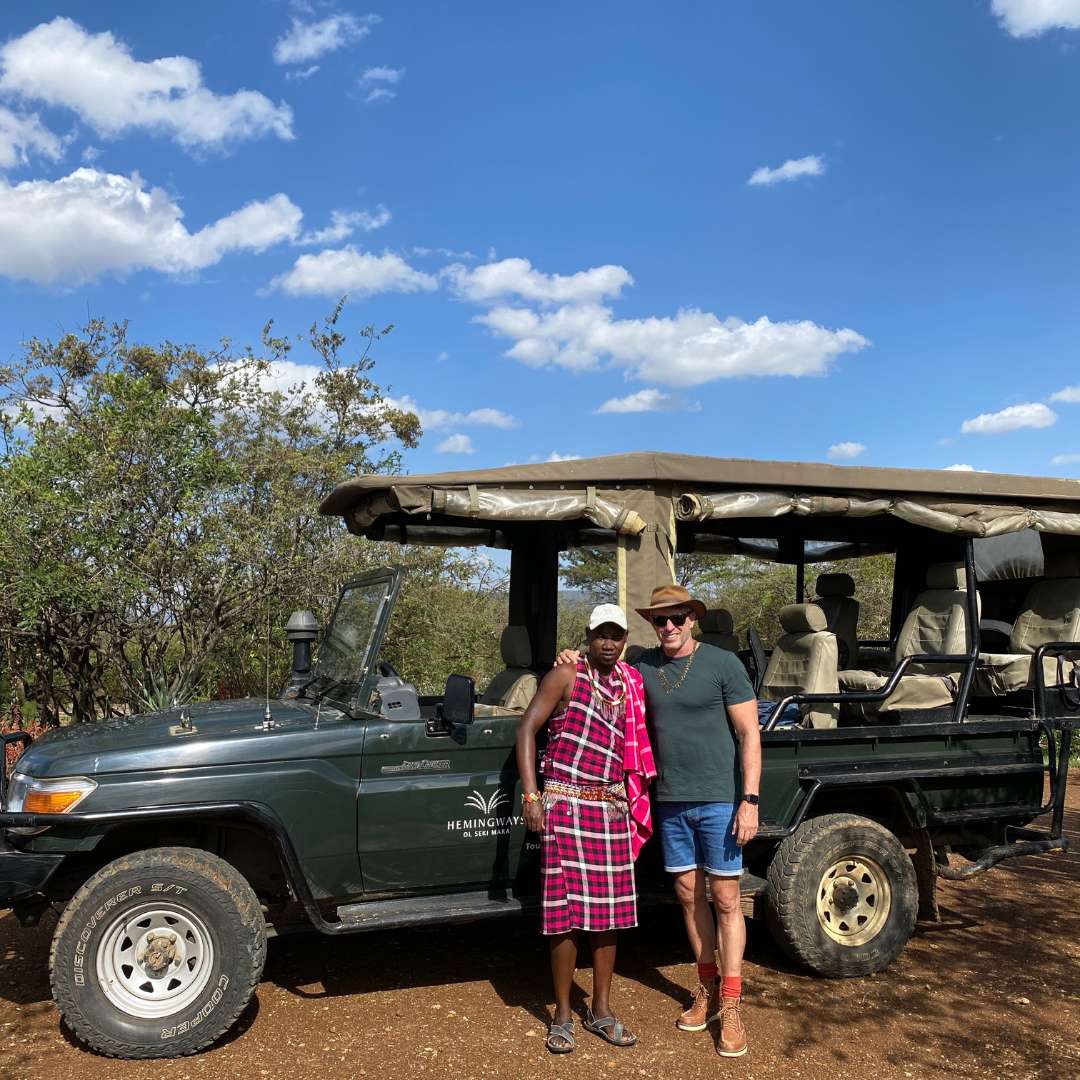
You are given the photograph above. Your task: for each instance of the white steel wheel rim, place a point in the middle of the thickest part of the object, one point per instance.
(155, 960)
(854, 899)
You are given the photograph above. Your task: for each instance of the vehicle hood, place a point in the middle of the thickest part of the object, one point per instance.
(222, 732)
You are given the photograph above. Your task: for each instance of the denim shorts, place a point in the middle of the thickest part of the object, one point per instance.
(699, 835)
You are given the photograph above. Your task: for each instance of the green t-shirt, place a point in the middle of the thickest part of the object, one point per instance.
(692, 736)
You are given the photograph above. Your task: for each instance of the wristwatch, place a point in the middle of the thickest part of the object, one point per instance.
(753, 800)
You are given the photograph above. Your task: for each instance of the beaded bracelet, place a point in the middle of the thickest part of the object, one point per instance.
(531, 797)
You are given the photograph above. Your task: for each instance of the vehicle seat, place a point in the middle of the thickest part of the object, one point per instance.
(804, 662)
(514, 687)
(835, 596)
(935, 624)
(1051, 612)
(717, 627)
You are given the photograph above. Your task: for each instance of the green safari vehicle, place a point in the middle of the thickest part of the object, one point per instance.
(175, 843)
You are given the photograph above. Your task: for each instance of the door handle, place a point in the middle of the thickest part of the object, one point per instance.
(384, 735)
(488, 731)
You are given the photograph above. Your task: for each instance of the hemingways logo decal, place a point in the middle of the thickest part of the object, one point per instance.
(495, 818)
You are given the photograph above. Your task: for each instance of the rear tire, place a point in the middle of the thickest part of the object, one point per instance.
(158, 954)
(842, 896)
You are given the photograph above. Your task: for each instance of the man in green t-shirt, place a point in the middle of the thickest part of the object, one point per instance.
(704, 721)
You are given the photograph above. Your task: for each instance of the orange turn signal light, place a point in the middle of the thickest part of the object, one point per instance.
(50, 802)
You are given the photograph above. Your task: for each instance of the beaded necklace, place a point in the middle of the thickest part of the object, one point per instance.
(610, 701)
(670, 688)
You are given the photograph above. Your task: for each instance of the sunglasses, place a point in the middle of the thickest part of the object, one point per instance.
(661, 621)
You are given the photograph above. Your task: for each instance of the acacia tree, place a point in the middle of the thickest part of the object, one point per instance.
(158, 500)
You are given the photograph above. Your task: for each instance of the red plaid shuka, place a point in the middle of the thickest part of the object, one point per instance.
(586, 866)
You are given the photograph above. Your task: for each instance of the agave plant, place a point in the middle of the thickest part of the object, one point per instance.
(157, 692)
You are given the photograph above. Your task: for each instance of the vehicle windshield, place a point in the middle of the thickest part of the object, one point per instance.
(345, 652)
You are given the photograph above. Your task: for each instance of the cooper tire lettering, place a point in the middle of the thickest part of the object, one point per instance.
(113, 1010)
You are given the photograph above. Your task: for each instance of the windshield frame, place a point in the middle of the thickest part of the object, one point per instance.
(352, 693)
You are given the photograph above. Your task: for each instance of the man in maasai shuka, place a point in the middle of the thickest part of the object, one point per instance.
(592, 816)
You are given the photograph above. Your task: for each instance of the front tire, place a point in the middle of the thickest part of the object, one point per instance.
(158, 954)
(842, 896)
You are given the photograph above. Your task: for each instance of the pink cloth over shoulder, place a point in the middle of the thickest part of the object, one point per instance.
(638, 764)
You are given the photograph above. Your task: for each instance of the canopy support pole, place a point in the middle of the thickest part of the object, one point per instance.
(534, 591)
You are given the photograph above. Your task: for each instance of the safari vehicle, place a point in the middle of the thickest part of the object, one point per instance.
(176, 842)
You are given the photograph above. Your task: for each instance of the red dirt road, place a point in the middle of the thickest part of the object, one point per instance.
(993, 990)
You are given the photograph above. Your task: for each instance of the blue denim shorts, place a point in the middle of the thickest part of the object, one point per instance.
(699, 835)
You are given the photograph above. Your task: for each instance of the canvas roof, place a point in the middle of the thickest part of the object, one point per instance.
(690, 471)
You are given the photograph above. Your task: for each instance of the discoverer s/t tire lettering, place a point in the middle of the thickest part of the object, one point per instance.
(158, 954)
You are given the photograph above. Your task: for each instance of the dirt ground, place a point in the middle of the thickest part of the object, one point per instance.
(993, 990)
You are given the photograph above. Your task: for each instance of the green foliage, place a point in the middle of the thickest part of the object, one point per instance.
(753, 590)
(160, 508)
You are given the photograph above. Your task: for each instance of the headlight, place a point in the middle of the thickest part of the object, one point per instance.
(27, 795)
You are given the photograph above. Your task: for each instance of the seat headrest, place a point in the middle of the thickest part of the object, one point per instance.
(515, 648)
(717, 621)
(802, 619)
(835, 585)
(946, 575)
(1062, 564)
(633, 652)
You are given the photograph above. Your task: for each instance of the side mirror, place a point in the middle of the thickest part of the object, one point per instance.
(458, 699)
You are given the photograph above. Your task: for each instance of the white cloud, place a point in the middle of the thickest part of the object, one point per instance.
(1028, 18)
(1065, 459)
(345, 270)
(378, 80)
(456, 444)
(89, 155)
(1029, 415)
(432, 419)
(343, 223)
(692, 348)
(571, 328)
(516, 277)
(301, 74)
(21, 136)
(91, 223)
(307, 41)
(846, 451)
(648, 400)
(60, 64)
(556, 456)
(1070, 395)
(959, 468)
(792, 169)
(383, 74)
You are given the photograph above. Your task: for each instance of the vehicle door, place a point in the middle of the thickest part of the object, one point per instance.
(441, 807)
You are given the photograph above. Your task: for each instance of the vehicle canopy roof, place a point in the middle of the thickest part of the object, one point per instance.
(649, 505)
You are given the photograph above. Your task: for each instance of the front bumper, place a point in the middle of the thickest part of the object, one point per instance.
(24, 875)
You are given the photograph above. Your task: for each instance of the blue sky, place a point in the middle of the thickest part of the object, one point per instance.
(839, 231)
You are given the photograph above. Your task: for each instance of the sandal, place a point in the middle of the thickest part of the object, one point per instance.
(560, 1031)
(609, 1029)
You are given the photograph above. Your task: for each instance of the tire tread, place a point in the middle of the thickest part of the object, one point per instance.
(192, 859)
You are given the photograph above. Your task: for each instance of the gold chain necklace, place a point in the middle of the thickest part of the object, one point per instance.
(670, 688)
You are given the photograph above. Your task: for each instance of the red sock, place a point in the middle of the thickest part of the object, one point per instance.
(707, 973)
(731, 986)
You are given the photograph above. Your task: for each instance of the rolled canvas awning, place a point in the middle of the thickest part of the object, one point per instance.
(648, 500)
(961, 518)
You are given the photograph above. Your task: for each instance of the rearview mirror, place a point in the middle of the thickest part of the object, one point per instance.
(458, 698)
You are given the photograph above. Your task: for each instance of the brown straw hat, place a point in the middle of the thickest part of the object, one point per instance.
(668, 596)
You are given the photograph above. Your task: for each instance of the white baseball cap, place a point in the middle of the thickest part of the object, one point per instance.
(603, 613)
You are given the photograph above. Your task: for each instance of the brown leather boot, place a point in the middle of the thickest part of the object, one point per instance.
(704, 1006)
(732, 1032)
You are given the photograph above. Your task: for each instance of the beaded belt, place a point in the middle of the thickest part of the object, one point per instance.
(610, 793)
